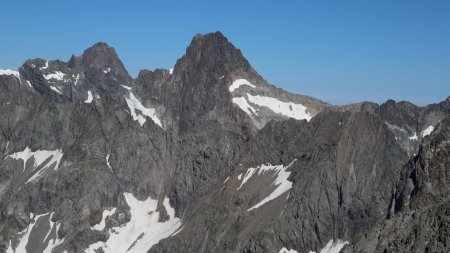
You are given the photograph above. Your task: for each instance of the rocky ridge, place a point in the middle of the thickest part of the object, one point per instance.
(208, 157)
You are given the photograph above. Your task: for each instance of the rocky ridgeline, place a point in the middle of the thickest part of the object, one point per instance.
(209, 157)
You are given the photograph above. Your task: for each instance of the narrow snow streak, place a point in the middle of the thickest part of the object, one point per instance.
(281, 181)
(288, 109)
(56, 89)
(47, 158)
(139, 112)
(239, 82)
(142, 231)
(107, 161)
(77, 78)
(247, 176)
(90, 97)
(427, 131)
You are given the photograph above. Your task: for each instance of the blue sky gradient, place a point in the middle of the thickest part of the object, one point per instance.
(338, 51)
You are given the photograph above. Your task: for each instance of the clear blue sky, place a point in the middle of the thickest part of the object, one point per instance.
(338, 51)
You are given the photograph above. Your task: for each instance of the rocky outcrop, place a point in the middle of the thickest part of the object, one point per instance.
(422, 206)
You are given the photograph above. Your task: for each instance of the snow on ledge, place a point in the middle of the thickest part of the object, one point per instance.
(288, 109)
(8, 72)
(57, 75)
(239, 82)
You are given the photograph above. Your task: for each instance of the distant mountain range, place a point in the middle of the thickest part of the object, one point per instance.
(210, 157)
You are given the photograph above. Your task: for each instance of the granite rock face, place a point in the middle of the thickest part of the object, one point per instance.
(209, 157)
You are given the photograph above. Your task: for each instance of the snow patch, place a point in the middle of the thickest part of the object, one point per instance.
(90, 97)
(44, 158)
(413, 137)
(226, 180)
(171, 71)
(77, 78)
(105, 215)
(284, 250)
(57, 75)
(281, 181)
(107, 70)
(46, 66)
(333, 246)
(239, 82)
(51, 237)
(143, 230)
(55, 240)
(139, 112)
(427, 131)
(245, 106)
(288, 109)
(8, 72)
(10, 249)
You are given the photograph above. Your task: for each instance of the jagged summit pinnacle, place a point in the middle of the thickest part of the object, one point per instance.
(103, 57)
(100, 54)
(213, 51)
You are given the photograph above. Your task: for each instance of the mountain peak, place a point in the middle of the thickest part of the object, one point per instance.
(213, 51)
(99, 54)
(103, 57)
